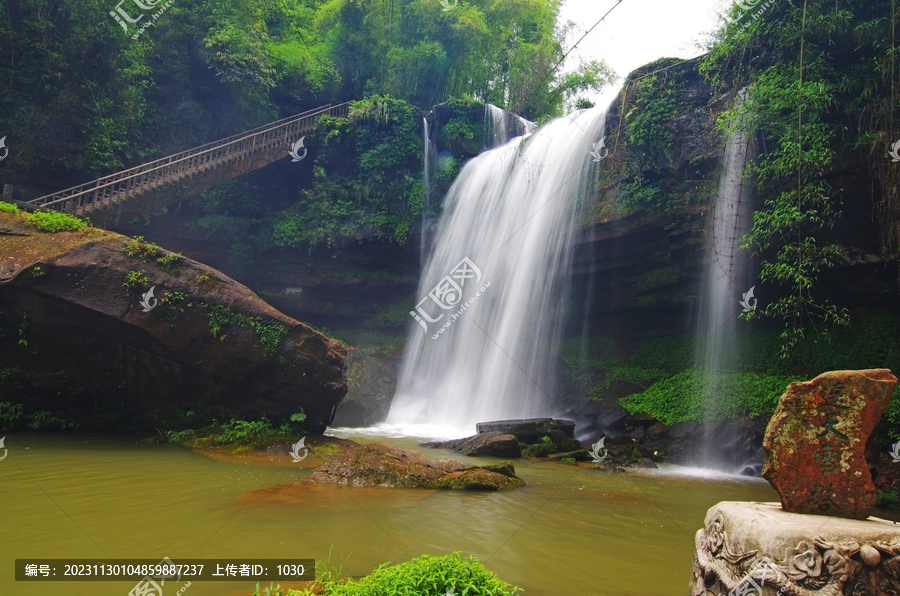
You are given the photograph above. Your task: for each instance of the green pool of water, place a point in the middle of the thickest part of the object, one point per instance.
(570, 531)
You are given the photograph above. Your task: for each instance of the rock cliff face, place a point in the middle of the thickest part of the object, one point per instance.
(77, 342)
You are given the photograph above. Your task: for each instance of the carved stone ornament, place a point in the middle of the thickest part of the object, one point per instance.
(756, 549)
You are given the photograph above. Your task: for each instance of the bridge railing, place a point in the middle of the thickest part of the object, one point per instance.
(133, 181)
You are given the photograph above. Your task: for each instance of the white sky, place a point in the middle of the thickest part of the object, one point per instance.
(637, 32)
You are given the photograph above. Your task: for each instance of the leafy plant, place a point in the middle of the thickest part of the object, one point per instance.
(135, 278)
(169, 260)
(8, 207)
(137, 246)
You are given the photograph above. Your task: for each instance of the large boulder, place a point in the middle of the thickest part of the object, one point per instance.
(815, 442)
(528, 430)
(370, 390)
(78, 343)
(491, 444)
(394, 467)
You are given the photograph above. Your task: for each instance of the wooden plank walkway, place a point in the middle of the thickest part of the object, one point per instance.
(261, 146)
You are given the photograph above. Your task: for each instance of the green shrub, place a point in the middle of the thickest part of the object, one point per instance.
(423, 576)
(10, 415)
(45, 420)
(238, 430)
(8, 207)
(54, 221)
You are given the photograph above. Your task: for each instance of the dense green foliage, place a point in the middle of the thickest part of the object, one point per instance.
(657, 375)
(426, 575)
(680, 398)
(374, 192)
(821, 81)
(85, 97)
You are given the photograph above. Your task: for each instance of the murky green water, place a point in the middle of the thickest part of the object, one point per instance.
(570, 531)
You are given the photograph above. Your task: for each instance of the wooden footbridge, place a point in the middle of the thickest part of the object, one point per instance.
(145, 188)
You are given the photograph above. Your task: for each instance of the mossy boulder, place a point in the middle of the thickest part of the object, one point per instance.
(393, 467)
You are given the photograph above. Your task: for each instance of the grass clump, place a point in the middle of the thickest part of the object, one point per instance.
(426, 575)
(7, 207)
(54, 221)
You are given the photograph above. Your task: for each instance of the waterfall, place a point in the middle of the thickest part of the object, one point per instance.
(727, 273)
(493, 292)
(501, 126)
(429, 151)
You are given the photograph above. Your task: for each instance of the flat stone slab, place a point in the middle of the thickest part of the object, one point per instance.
(755, 549)
(815, 442)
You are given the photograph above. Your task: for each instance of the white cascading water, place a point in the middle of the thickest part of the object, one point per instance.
(728, 276)
(492, 294)
(429, 152)
(497, 127)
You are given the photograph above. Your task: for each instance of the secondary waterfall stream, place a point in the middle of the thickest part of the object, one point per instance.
(726, 279)
(492, 294)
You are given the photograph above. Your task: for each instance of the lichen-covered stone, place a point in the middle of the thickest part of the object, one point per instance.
(815, 442)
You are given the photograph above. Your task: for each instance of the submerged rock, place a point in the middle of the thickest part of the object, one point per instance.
(815, 442)
(394, 467)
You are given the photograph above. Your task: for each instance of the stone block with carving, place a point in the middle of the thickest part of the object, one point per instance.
(758, 549)
(815, 442)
